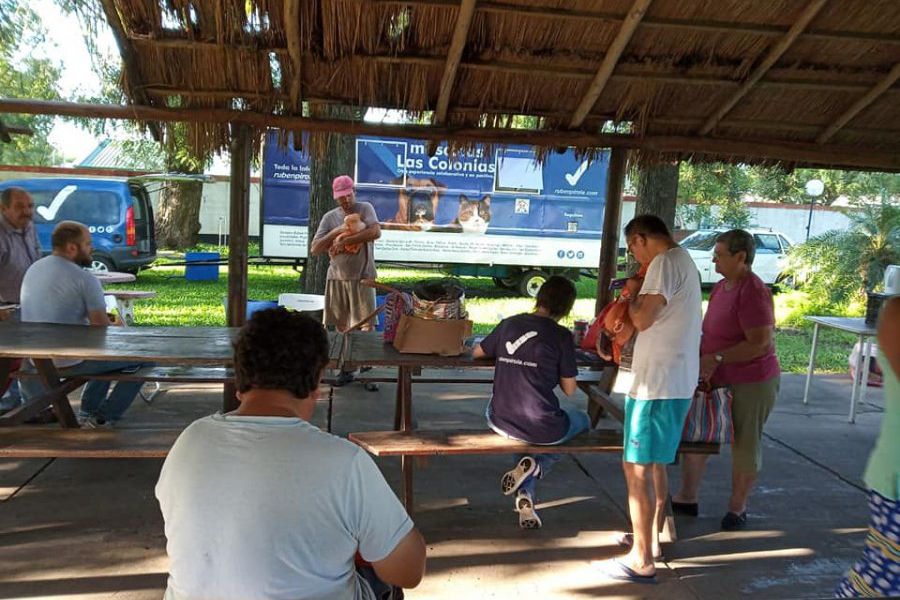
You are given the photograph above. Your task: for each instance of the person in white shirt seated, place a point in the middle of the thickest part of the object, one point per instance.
(259, 503)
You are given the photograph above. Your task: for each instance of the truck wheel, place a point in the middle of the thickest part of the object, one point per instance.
(101, 264)
(531, 282)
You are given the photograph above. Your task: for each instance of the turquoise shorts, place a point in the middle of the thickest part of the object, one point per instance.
(653, 429)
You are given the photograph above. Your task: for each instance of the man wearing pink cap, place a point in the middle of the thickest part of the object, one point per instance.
(352, 259)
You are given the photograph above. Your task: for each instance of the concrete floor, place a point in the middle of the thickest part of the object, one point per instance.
(91, 528)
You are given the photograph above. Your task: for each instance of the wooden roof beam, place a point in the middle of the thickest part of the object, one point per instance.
(860, 104)
(848, 157)
(771, 57)
(454, 56)
(708, 26)
(129, 60)
(629, 25)
(623, 72)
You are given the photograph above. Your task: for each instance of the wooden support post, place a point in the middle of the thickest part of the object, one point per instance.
(609, 243)
(239, 217)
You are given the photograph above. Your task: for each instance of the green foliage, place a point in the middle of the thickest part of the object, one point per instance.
(23, 76)
(715, 185)
(855, 185)
(840, 265)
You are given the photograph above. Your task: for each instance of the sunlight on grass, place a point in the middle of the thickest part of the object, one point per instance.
(201, 303)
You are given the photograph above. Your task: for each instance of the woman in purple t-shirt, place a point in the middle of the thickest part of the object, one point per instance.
(737, 350)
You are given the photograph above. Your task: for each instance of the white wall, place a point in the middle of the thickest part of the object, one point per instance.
(783, 218)
(214, 208)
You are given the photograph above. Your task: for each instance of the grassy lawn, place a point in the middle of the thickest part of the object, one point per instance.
(181, 302)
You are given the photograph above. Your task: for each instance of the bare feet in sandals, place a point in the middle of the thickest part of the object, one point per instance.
(626, 540)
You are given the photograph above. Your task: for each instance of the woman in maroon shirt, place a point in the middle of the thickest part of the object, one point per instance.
(737, 350)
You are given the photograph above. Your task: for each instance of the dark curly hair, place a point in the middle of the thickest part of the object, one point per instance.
(280, 350)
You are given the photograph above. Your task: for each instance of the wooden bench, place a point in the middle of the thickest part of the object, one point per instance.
(87, 443)
(476, 441)
(409, 445)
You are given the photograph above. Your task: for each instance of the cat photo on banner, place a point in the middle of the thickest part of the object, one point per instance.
(417, 207)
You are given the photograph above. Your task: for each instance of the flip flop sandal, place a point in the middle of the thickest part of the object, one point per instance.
(528, 517)
(619, 571)
(626, 540)
(513, 479)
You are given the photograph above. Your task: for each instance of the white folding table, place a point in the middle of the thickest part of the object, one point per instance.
(864, 333)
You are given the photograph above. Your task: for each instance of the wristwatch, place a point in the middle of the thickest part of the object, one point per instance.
(719, 358)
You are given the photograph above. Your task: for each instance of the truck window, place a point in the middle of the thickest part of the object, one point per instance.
(85, 206)
(137, 200)
(767, 244)
(702, 240)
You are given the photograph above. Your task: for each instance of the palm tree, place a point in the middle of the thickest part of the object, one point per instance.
(841, 264)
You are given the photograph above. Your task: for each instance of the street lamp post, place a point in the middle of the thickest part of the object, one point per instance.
(814, 188)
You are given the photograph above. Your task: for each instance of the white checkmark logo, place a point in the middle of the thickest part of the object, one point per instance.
(511, 347)
(49, 212)
(573, 178)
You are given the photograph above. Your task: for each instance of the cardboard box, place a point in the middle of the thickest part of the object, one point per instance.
(426, 336)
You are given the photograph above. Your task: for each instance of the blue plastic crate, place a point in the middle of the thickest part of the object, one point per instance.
(201, 272)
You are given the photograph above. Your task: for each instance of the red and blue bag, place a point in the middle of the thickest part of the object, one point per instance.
(709, 419)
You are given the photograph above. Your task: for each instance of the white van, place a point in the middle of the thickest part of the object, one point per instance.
(769, 263)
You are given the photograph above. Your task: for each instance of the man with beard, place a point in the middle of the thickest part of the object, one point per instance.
(56, 289)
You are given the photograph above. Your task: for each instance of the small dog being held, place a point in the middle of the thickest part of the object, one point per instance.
(352, 225)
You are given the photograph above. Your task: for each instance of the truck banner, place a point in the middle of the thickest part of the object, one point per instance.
(500, 207)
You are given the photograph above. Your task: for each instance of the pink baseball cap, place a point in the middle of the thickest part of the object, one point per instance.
(342, 186)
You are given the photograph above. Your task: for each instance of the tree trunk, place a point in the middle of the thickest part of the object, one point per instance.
(657, 190)
(337, 159)
(178, 216)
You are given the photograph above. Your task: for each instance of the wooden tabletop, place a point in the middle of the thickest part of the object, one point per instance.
(162, 345)
(855, 325)
(106, 277)
(130, 294)
(369, 348)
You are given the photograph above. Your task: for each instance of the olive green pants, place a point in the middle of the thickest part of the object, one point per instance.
(750, 408)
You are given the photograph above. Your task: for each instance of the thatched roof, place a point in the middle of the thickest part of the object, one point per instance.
(796, 73)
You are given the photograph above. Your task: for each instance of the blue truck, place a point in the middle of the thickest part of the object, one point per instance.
(500, 213)
(118, 213)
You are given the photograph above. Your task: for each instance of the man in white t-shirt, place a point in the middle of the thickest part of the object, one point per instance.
(665, 367)
(258, 503)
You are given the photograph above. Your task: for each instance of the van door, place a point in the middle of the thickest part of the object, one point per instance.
(145, 234)
(768, 256)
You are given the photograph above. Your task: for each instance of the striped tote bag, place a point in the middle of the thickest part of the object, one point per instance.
(709, 419)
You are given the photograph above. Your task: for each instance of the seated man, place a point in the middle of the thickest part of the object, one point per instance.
(259, 503)
(56, 289)
(534, 353)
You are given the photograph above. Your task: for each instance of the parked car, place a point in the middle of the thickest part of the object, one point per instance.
(769, 263)
(118, 213)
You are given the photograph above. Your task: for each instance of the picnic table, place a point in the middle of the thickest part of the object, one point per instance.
(178, 348)
(109, 277)
(125, 302)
